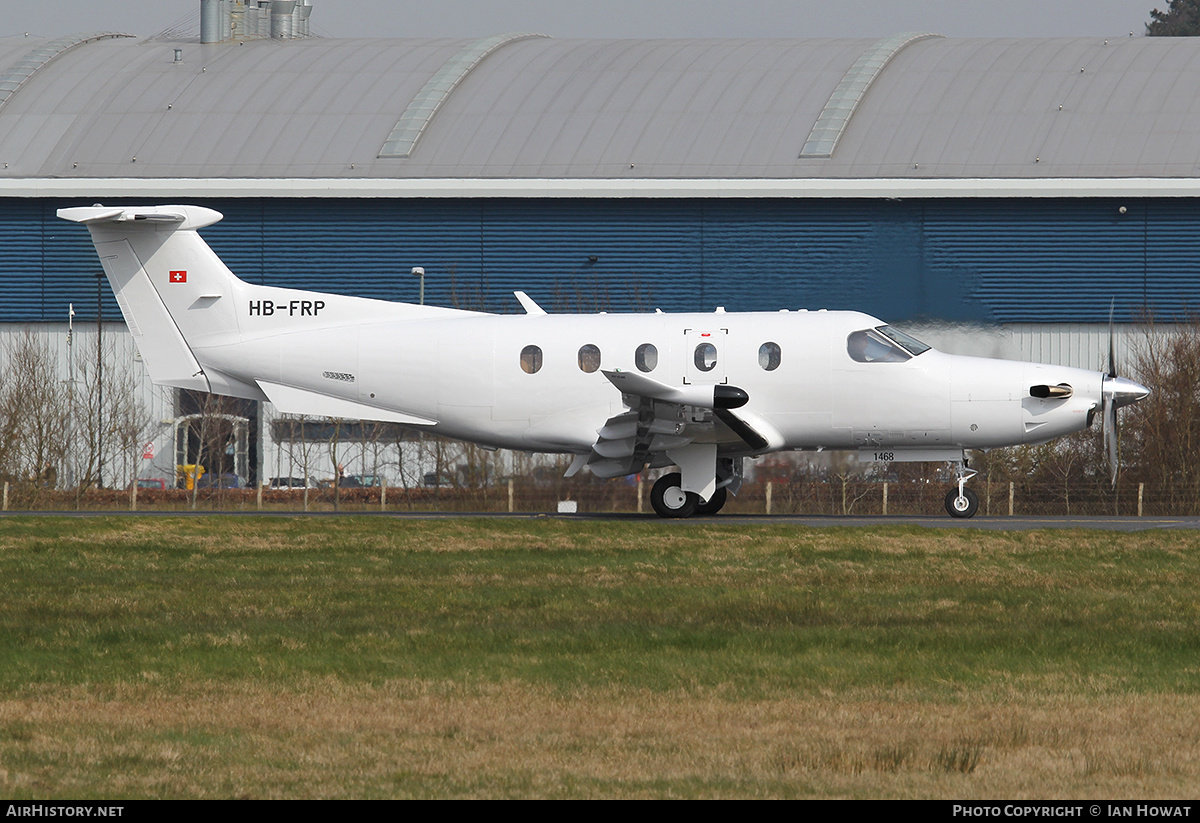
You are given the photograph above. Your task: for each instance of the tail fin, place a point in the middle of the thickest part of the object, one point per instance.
(173, 290)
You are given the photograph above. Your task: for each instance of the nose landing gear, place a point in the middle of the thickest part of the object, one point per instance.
(961, 501)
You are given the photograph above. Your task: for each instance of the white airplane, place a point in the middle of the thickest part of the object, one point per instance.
(623, 393)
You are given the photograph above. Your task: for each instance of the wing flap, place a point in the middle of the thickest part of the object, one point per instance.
(663, 418)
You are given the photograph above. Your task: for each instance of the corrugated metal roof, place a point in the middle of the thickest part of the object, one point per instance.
(612, 109)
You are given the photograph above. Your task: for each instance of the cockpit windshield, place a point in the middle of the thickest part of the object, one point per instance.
(883, 344)
(914, 346)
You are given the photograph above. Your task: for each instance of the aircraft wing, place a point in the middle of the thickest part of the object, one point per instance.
(661, 417)
(300, 401)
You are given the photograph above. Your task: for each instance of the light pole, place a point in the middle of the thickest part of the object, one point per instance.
(99, 380)
(419, 271)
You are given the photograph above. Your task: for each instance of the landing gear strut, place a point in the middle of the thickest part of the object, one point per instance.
(961, 501)
(714, 503)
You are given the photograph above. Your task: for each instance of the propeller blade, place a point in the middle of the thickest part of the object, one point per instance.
(1112, 353)
(1111, 437)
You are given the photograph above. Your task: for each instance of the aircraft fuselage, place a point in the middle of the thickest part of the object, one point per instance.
(464, 372)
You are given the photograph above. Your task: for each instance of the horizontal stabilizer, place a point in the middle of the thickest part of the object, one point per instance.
(291, 400)
(179, 217)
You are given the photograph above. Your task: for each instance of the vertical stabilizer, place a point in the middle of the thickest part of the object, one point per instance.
(174, 292)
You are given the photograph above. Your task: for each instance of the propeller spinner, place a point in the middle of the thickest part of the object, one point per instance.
(1116, 392)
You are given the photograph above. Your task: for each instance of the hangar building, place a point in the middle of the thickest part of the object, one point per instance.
(1022, 185)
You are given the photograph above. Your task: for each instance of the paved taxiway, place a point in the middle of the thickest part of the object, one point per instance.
(997, 523)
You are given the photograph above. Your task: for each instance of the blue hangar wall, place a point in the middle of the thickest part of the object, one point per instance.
(1035, 260)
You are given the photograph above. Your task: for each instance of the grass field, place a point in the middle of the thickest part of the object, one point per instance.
(366, 657)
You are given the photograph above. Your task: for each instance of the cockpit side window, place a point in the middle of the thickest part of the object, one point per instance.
(868, 346)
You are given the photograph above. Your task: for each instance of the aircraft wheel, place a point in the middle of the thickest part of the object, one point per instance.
(964, 506)
(715, 503)
(670, 500)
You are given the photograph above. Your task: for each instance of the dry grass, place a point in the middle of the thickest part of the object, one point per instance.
(415, 739)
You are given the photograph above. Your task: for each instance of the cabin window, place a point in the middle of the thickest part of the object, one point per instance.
(589, 358)
(531, 359)
(769, 356)
(706, 357)
(646, 357)
(868, 346)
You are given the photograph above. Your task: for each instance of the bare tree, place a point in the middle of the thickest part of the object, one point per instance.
(108, 418)
(299, 435)
(334, 442)
(1160, 437)
(35, 412)
(213, 436)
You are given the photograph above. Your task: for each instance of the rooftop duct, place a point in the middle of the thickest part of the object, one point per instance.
(303, 10)
(281, 19)
(222, 20)
(210, 20)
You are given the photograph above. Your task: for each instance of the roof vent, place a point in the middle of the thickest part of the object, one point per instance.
(840, 107)
(437, 90)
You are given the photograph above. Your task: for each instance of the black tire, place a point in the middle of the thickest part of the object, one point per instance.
(669, 500)
(715, 503)
(966, 506)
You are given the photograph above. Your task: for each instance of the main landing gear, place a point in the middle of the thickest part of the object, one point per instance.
(670, 500)
(961, 501)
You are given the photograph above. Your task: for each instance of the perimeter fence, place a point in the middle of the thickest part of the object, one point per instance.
(834, 496)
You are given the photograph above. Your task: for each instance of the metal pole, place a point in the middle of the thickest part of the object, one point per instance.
(99, 381)
(419, 271)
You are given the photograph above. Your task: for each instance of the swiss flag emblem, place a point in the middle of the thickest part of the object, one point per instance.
(178, 277)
